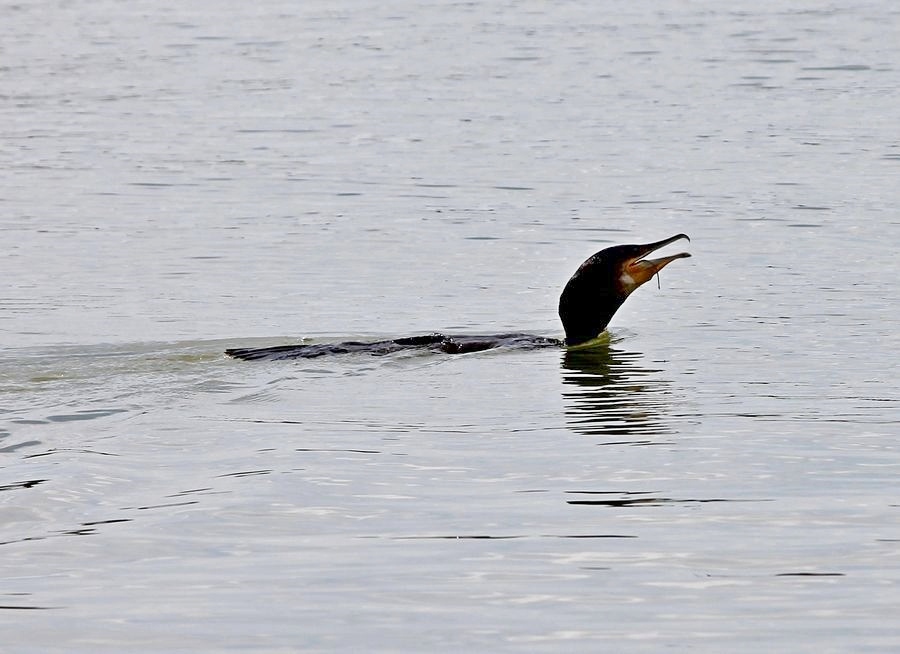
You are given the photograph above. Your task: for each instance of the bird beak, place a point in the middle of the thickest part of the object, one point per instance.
(637, 270)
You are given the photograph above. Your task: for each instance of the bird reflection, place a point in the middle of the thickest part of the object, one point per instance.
(614, 396)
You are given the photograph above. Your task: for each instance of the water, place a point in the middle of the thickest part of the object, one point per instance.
(182, 178)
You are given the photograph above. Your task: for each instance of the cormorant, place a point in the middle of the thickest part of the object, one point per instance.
(587, 304)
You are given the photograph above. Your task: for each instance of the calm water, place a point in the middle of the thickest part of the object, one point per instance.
(723, 475)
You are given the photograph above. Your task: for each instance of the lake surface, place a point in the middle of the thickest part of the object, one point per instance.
(721, 475)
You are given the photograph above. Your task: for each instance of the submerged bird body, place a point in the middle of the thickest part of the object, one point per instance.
(587, 304)
(430, 342)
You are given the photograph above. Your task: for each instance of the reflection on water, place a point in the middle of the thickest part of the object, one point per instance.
(613, 395)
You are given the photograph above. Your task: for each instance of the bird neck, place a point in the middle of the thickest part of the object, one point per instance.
(585, 318)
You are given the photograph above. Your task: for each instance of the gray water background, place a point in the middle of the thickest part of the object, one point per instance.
(178, 178)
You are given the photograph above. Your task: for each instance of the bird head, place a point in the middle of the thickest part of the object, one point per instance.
(603, 282)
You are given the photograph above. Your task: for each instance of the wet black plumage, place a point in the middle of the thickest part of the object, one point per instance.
(588, 302)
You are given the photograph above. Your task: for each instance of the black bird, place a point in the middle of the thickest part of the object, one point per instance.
(587, 304)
